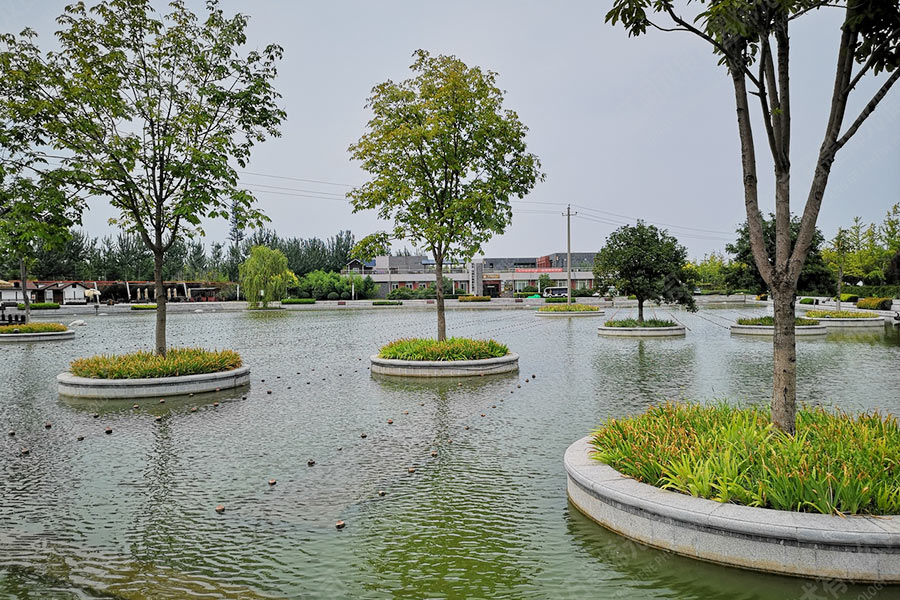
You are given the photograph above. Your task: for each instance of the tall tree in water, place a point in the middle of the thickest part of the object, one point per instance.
(751, 38)
(156, 111)
(445, 158)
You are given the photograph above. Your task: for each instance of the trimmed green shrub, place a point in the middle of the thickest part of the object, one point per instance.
(769, 321)
(875, 303)
(834, 464)
(569, 308)
(762, 296)
(839, 314)
(877, 291)
(333, 296)
(33, 328)
(346, 295)
(143, 307)
(554, 300)
(402, 293)
(807, 301)
(39, 305)
(387, 302)
(141, 364)
(632, 297)
(849, 297)
(474, 298)
(449, 349)
(636, 323)
(299, 301)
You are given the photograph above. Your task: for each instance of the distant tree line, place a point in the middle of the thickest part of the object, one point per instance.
(125, 257)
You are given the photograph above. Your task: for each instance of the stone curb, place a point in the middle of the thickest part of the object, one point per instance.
(769, 330)
(857, 548)
(86, 387)
(439, 368)
(677, 331)
(46, 336)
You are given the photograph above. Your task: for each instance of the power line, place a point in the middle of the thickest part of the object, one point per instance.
(654, 222)
(296, 179)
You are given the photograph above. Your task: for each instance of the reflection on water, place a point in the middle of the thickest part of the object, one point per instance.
(130, 515)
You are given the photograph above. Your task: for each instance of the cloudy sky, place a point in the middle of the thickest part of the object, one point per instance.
(625, 128)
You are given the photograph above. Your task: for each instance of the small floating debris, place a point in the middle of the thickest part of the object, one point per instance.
(362, 435)
(390, 421)
(412, 469)
(135, 406)
(215, 404)
(272, 482)
(220, 509)
(381, 492)
(24, 451)
(12, 433)
(310, 462)
(340, 525)
(162, 400)
(268, 391)
(158, 419)
(96, 415)
(47, 425)
(108, 430)
(80, 438)
(434, 453)
(193, 409)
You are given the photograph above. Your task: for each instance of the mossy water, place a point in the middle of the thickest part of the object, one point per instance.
(131, 514)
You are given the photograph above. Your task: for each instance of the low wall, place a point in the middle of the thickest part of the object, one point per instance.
(454, 368)
(867, 322)
(769, 330)
(858, 548)
(86, 387)
(677, 331)
(47, 336)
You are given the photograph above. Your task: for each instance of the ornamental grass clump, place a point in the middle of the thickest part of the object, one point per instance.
(298, 301)
(769, 321)
(568, 308)
(834, 464)
(636, 323)
(39, 306)
(141, 364)
(143, 307)
(875, 303)
(839, 314)
(449, 349)
(33, 328)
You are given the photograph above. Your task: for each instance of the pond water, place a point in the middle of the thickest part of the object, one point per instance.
(131, 515)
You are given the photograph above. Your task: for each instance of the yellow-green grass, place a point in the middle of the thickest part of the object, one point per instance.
(839, 314)
(568, 308)
(143, 307)
(875, 303)
(141, 364)
(474, 298)
(834, 464)
(39, 306)
(447, 350)
(644, 323)
(33, 328)
(769, 321)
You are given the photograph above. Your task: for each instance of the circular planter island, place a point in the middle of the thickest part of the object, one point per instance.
(35, 332)
(763, 327)
(453, 357)
(854, 548)
(569, 310)
(649, 328)
(147, 375)
(833, 319)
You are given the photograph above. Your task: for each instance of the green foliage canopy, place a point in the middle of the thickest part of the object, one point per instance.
(265, 276)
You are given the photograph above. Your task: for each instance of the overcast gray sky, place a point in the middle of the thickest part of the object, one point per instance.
(642, 128)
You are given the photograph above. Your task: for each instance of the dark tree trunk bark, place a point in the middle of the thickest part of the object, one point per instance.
(439, 290)
(160, 303)
(640, 310)
(23, 276)
(784, 387)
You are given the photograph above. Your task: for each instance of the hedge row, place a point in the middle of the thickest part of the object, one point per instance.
(875, 303)
(387, 302)
(474, 298)
(39, 305)
(299, 301)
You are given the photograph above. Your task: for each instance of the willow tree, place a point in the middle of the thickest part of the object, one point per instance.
(265, 276)
(752, 41)
(156, 112)
(445, 158)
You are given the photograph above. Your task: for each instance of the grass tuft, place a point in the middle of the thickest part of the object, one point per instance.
(839, 314)
(39, 306)
(142, 364)
(143, 307)
(299, 301)
(636, 323)
(449, 349)
(834, 464)
(574, 307)
(33, 328)
(769, 321)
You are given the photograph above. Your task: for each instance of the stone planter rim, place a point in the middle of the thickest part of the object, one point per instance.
(644, 331)
(44, 336)
(444, 368)
(855, 548)
(571, 313)
(151, 386)
(393, 362)
(799, 330)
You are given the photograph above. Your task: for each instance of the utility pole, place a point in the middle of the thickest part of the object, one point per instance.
(568, 215)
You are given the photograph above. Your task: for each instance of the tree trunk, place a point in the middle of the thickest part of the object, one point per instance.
(784, 388)
(160, 303)
(439, 289)
(840, 286)
(640, 310)
(23, 276)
